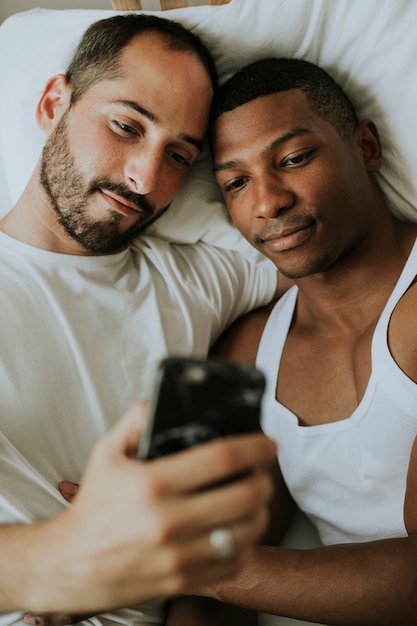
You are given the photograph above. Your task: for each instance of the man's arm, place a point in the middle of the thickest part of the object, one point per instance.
(410, 504)
(371, 583)
(138, 531)
(364, 584)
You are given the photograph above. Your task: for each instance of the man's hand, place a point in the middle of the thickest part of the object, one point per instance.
(139, 531)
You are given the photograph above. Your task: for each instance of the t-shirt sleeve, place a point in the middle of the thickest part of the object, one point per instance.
(231, 283)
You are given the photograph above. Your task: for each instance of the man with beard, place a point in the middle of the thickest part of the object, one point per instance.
(88, 309)
(297, 171)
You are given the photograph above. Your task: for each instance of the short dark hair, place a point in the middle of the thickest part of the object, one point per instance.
(273, 75)
(98, 53)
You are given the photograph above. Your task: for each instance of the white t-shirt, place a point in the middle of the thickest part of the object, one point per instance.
(80, 338)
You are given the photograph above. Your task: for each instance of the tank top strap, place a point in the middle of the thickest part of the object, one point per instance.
(274, 337)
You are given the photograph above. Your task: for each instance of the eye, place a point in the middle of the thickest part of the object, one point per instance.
(179, 158)
(295, 160)
(235, 185)
(124, 129)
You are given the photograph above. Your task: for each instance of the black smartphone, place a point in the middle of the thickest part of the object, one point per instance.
(197, 400)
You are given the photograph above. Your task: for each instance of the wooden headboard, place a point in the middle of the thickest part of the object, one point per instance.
(136, 5)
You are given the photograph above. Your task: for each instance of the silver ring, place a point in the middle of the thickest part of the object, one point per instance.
(223, 543)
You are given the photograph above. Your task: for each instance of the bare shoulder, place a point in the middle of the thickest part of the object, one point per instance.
(240, 341)
(410, 503)
(403, 332)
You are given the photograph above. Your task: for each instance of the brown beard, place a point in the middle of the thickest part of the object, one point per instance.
(69, 194)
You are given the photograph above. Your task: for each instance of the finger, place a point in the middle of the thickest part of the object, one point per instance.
(68, 490)
(214, 462)
(124, 435)
(226, 505)
(197, 563)
(241, 498)
(245, 534)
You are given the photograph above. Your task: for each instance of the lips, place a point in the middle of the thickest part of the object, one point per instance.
(120, 204)
(284, 232)
(287, 238)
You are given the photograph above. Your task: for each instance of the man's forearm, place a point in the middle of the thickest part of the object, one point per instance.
(21, 564)
(138, 532)
(373, 583)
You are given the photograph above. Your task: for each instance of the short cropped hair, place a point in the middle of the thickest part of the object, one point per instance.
(97, 56)
(273, 75)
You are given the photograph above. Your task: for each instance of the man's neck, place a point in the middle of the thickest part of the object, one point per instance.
(33, 222)
(356, 288)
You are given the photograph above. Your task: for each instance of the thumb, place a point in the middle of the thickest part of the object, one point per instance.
(125, 435)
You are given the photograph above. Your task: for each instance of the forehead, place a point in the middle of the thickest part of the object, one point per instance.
(264, 119)
(171, 84)
(148, 55)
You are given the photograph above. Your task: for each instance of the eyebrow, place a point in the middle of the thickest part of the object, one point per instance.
(131, 104)
(279, 141)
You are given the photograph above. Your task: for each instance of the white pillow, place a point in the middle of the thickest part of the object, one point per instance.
(369, 46)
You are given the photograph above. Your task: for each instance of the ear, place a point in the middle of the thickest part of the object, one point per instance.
(368, 142)
(53, 103)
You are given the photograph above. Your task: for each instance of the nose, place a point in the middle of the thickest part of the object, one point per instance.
(142, 171)
(272, 195)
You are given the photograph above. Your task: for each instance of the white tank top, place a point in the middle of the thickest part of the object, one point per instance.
(348, 476)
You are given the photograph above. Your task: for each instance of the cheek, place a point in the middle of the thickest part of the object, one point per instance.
(339, 200)
(85, 152)
(241, 218)
(328, 192)
(93, 148)
(169, 184)
(176, 179)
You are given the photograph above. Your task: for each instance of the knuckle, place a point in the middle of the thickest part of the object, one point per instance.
(177, 561)
(163, 529)
(227, 458)
(151, 487)
(159, 533)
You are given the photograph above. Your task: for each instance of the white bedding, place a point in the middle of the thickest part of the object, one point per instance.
(369, 46)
